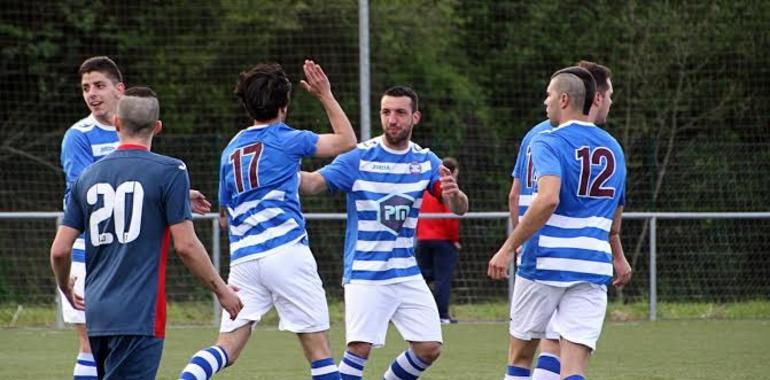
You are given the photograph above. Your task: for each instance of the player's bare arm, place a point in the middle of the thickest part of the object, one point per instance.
(344, 138)
(619, 261)
(513, 201)
(61, 258)
(539, 211)
(451, 194)
(194, 257)
(199, 203)
(311, 183)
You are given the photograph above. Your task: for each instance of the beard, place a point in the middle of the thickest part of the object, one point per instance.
(398, 137)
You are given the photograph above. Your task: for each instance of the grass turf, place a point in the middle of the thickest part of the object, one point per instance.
(663, 350)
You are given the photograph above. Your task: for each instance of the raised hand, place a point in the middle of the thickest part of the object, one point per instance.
(315, 81)
(449, 187)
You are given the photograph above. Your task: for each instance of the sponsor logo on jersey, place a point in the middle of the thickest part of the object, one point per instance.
(415, 168)
(393, 211)
(99, 150)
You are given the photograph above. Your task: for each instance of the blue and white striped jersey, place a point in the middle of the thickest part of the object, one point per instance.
(258, 186)
(384, 192)
(524, 170)
(573, 245)
(84, 143)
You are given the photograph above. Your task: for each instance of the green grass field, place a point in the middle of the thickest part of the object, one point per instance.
(684, 349)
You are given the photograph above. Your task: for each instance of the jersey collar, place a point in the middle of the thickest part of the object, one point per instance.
(583, 123)
(100, 125)
(132, 147)
(394, 151)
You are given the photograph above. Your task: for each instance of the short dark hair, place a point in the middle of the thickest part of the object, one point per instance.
(263, 90)
(138, 110)
(589, 84)
(600, 73)
(103, 65)
(450, 163)
(399, 91)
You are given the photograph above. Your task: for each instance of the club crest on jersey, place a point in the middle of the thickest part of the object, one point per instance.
(415, 168)
(393, 211)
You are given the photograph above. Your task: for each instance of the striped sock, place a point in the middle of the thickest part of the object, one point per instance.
(204, 364)
(324, 369)
(517, 373)
(575, 377)
(548, 367)
(407, 366)
(352, 366)
(85, 367)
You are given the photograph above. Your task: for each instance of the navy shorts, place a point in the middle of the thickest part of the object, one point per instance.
(126, 357)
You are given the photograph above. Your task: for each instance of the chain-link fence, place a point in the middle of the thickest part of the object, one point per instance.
(691, 108)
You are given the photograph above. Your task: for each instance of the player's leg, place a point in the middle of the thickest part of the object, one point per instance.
(300, 299)
(548, 366)
(579, 322)
(417, 320)
(233, 334)
(445, 260)
(85, 366)
(532, 306)
(424, 256)
(129, 357)
(368, 308)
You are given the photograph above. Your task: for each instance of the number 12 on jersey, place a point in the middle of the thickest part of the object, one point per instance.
(237, 160)
(594, 187)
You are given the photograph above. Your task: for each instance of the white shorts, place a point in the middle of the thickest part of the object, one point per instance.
(287, 280)
(409, 304)
(576, 312)
(69, 313)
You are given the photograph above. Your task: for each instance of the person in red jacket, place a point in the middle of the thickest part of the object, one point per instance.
(438, 241)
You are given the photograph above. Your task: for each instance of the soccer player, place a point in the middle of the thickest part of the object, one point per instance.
(85, 142)
(567, 261)
(384, 179)
(129, 202)
(270, 260)
(548, 363)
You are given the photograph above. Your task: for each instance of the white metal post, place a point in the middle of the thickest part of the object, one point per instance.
(59, 316)
(364, 72)
(653, 269)
(512, 267)
(216, 254)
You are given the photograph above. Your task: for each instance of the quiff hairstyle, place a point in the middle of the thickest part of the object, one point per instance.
(138, 110)
(263, 90)
(578, 84)
(103, 65)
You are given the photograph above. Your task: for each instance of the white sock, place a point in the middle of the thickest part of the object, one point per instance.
(548, 367)
(204, 364)
(85, 367)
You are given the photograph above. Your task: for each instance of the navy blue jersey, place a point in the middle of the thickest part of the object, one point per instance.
(573, 245)
(125, 203)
